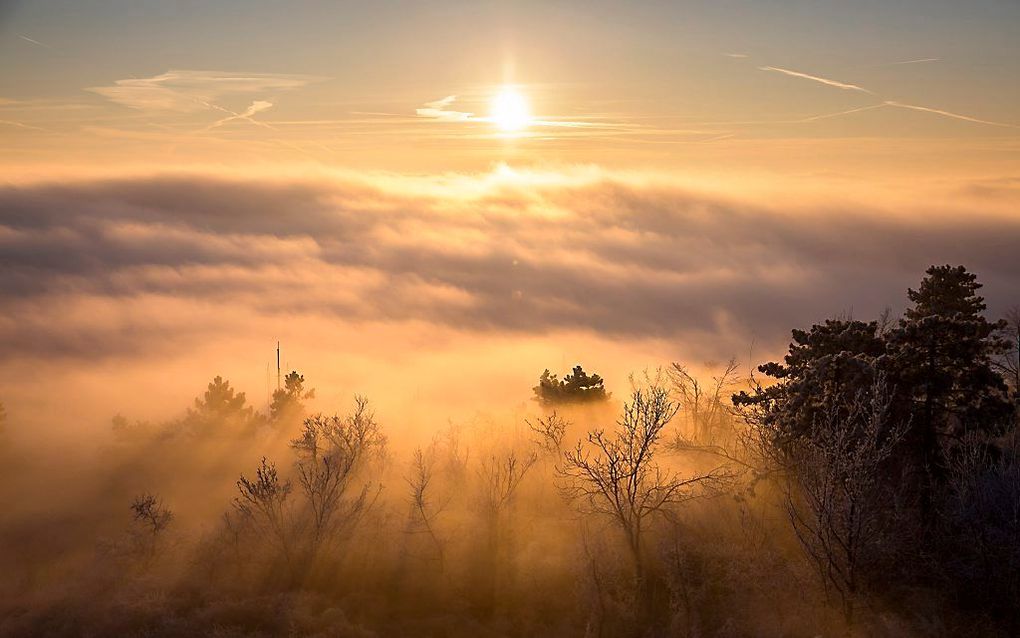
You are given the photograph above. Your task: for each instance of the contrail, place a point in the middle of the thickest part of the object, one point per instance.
(256, 107)
(918, 61)
(955, 116)
(21, 125)
(848, 112)
(815, 78)
(36, 42)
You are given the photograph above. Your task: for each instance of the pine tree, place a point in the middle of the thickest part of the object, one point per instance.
(221, 399)
(219, 409)
(941, 358)
(289, 401)
(828, 364)
(576, 387)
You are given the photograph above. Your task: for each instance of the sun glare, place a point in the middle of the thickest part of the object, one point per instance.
(510, 110)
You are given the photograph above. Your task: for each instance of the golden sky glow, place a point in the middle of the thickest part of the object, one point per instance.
(416, 181)
(283, 284)
(894, 93)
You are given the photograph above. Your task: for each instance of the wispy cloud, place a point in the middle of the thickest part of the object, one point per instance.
(815, 78)
(736, 55)
(841, 113)
(184, 91)
(911, 107)
(437, 110)
(950, 114)
(886, 103)
(918, 61)
(247, 115)
(33, 41)
(20, 125)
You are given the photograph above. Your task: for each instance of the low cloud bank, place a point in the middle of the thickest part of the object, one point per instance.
(120, 266)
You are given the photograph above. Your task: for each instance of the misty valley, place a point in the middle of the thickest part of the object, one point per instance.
(866, 484)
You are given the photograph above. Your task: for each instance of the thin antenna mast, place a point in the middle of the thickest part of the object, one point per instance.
(277, 365)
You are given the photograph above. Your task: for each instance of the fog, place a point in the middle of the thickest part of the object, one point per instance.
(125, 300)
(121, 290)
(496, 545)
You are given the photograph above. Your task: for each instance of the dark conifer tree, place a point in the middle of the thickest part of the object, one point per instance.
(576, 387)
(289, 401)
(219, 409)
(942, 356)
(826, 365)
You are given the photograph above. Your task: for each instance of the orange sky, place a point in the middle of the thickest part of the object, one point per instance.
(182, 184)
(915, 91)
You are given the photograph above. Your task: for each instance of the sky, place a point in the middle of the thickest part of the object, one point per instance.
(408, 192)
(711, 86)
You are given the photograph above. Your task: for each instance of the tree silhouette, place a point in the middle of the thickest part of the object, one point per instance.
(262, 503)
(576, 387)
(153, 518)
(942, 357)
(1009, 363)
(834, 491)
(331, 452)
(219, 408)
(617, 475)
(550, 431)
(424, 511)
(829, 363)
(150, 512)
(704, 405)
(500, 475)
(289, 401)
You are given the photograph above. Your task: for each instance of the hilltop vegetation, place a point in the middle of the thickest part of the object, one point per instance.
(867, 484)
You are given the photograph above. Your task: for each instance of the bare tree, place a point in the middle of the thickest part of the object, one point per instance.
(262, 503)
(423, 509)
(616, 474)
(1008, 364)
(500, 475)
(833, 490)
(550, 431)
(886, 322)
(982, 516)
(712, 422)
(230, 540)
(153, 518)
(603, 586)
(455, 455)
(331, 452)
(704, 405)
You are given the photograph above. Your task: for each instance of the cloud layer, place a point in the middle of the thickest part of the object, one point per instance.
(185, 91)
(119, 266)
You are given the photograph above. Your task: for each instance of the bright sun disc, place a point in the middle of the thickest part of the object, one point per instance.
(510, 110)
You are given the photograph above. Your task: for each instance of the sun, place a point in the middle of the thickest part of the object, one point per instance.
(510, 110)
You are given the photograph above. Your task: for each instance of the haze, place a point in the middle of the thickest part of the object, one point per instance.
(429, 204)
